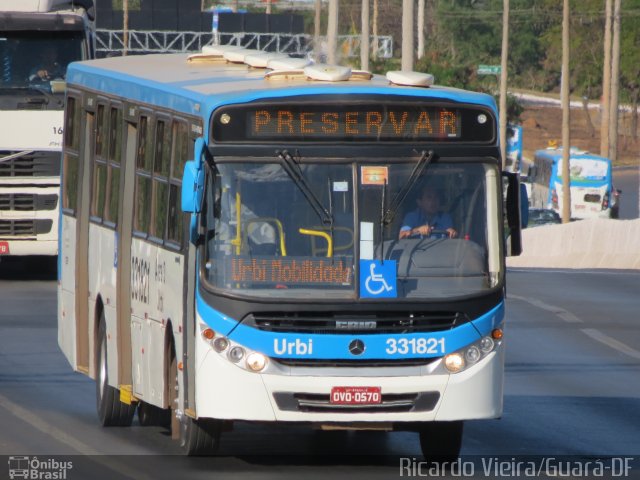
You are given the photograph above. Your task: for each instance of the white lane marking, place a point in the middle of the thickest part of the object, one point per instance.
(612, 342)
(565, 315)
(35, 421)
(591, 332)
(568, 317)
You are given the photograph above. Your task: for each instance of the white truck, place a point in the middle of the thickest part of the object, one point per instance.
(38, 39)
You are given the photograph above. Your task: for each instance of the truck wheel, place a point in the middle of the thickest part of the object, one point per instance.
(111, 411)
(198, 437)
(441, 441)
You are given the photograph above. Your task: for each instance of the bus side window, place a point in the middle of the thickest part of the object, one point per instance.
(72, 123)
(70, 160)
(142, 196)
(100, 165)
(180, 154)
(114, 145)
(181, 148)
(162, 158)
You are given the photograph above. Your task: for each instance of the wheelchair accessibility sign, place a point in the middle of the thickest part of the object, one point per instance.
(378, 279)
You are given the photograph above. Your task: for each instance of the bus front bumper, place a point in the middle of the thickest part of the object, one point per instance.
(226, 391)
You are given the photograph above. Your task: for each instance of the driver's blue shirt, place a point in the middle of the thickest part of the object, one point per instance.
(417, 218)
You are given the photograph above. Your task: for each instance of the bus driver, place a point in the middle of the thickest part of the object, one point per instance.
(427, 218)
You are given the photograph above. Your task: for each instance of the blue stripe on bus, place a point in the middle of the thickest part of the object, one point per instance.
(336, 347)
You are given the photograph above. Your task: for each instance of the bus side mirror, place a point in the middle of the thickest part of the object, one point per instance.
(513, 212)
(524, 206)
(193, 180)
(192, 187)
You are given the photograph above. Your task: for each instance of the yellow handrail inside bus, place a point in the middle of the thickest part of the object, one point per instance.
(318, 233)
(277, 223)
(237, 242)
(336, 247)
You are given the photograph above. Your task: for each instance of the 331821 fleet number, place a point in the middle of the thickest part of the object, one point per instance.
(415, 346)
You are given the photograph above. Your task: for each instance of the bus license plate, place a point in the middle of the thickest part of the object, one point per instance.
(356, 395)
(4, 248)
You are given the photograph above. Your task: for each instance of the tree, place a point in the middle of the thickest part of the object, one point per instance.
(630, 62)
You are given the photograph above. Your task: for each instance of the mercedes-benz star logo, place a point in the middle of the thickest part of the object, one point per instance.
(356, 347)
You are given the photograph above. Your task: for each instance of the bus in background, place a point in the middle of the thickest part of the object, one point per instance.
(38, 39)
(590, 179)
(231, 250)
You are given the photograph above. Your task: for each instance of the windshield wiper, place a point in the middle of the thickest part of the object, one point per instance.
(295, 173)
(424, 160)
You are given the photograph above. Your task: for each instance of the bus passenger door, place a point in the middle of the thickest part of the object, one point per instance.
(82, 246)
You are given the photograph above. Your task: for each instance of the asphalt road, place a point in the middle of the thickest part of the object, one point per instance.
(572, 388)
(627, 180)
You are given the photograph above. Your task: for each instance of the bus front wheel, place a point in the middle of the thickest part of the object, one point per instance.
(111, 411)
(441, 441)
(197, 437)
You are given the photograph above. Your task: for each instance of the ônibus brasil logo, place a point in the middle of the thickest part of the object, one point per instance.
(32, 468)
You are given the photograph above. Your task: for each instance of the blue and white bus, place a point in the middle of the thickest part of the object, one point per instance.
(591, 183)
(230, 247)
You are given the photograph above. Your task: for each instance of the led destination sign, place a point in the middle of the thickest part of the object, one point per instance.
(288, 271)
(352, 123)
(321, 122)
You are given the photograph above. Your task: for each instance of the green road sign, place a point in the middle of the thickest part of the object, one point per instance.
(489, 70)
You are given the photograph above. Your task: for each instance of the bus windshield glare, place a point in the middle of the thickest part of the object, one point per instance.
(438, 235)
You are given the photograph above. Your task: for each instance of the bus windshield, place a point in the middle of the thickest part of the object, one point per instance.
(33, 59)
(268, 236)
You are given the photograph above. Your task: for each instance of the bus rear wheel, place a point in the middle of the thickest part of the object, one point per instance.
(197, 437)
(441, 441)
(111, 411)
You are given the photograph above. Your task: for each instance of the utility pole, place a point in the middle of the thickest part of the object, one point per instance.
(375, 29)
(420, 29)
(605, 104)
(316, 30)
(125, 27)
(364, 41)
(332, 32)
(268, 12)
(407, 35)
(615, 84)
(503, 82)
(566, 117)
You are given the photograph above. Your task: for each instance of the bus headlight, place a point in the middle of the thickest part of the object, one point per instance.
(486, 344)
(454, 362)
(256, 361)
(471, 354)
(220, 344)
(239, 355)
(236, 354)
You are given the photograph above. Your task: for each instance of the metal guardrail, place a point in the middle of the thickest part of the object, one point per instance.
(111, 42)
